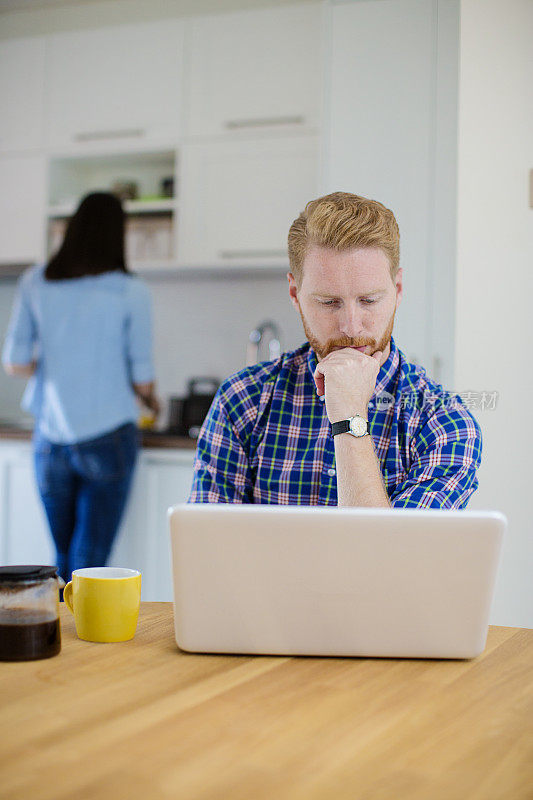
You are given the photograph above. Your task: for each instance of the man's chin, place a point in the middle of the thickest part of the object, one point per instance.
(368, 348)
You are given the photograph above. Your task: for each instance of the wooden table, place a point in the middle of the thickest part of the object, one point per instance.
(143, 720)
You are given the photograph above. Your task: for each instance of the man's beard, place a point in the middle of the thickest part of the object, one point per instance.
(323, 350)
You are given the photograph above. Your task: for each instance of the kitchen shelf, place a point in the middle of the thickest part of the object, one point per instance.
(130, 207)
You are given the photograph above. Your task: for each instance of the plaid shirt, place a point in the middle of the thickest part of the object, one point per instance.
(267, 438)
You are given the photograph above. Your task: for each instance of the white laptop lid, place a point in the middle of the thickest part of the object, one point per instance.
(293, 580)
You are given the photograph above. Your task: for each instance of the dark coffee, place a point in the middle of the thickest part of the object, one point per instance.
(27, 635)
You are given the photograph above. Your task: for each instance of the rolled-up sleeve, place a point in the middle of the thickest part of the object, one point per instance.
(139, 335)
(446, 455)
(19, 344)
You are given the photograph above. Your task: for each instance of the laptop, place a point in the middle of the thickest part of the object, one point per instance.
(315, 581)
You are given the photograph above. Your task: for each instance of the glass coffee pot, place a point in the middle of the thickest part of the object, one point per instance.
(29, 612)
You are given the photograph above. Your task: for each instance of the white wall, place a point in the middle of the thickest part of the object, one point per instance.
(202, 326)
(495, 272)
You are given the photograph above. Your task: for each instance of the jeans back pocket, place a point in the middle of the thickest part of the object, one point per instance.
(108, 458)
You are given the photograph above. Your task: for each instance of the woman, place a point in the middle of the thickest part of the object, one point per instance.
(81, 327)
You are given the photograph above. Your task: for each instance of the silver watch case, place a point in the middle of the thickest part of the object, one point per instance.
(358, 426)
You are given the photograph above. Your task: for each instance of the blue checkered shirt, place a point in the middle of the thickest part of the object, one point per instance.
(267, 438)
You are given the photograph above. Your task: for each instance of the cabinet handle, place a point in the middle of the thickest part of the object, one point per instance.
(252, 253)
(263, 122)
(94, 136)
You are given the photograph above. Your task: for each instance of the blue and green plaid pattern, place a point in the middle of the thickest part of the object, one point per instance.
(267, 438)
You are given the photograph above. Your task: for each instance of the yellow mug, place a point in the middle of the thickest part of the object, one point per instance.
(105, 602)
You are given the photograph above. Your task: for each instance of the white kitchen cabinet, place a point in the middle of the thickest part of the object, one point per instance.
(21, 93)
(163, 479)
(24, 532)
(240, 197)
(254, 71)
(129, 547)
(114, 88)
(22, 208)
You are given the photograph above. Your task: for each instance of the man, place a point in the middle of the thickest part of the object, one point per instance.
(345, 419)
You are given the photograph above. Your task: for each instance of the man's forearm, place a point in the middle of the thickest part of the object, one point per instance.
(359, 479)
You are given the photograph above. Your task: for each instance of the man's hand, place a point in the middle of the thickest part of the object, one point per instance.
(347, 378)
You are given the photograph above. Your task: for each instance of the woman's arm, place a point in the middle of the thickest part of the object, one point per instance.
(18, 354)
(21, 370)
(146, 393)
(139, 345)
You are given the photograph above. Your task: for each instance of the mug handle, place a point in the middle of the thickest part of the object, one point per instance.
(67, 596)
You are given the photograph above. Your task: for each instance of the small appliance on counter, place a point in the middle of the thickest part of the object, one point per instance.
(186, 414)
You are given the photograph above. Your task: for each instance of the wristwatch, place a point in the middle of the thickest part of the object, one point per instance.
(358, 426)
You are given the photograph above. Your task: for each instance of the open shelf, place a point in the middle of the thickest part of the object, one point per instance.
(151, 226)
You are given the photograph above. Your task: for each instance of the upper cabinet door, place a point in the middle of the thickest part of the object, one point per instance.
(22, 208)
(21, 94)
(240, 197)
(255, 70)
(116, 86)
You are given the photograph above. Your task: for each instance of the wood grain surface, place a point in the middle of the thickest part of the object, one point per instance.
(142, 719)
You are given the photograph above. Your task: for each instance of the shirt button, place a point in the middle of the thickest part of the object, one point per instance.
(331, 472)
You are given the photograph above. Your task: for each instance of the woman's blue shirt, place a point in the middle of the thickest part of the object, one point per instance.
(91, 338)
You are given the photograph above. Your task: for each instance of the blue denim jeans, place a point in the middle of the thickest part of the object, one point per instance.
(84, 488)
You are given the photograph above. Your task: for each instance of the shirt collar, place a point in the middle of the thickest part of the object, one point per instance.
(386, 374)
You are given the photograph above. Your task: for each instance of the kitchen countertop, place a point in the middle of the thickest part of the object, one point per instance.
(144, 719)
(148, 438)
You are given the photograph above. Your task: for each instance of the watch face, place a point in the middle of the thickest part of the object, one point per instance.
(358, 426)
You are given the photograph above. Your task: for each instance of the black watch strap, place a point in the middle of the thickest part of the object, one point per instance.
(340, 427)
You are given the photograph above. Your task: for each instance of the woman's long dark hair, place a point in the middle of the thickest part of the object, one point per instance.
(94, 240)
